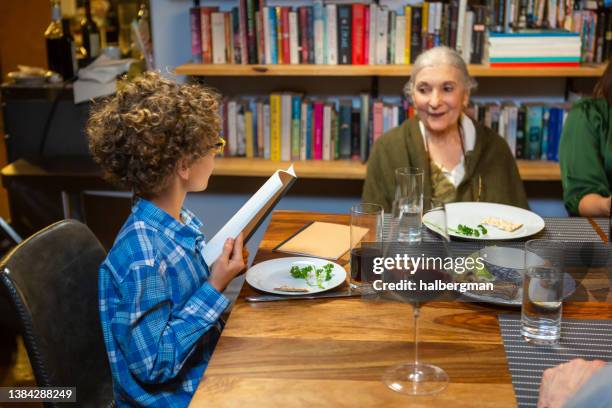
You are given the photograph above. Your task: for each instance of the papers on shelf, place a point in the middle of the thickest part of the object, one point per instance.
(252, 213)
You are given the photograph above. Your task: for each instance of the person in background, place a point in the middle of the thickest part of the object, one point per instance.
(585, 152)
(461, 159)
(577, 384)
(160, 303)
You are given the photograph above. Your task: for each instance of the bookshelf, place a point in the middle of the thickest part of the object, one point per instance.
(307, 70)
(530, 170)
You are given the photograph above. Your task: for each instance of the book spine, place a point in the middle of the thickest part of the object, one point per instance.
(196, 34)
(461, 27)
(416, 29)
(286, 126)
(382, 27)
(400, 37)
(293, 38)
(363, 126)
(273, 36)
(279, 35)
(345, 129)
(261, 46)
(303, 130)
(309, 131)
(478, 35)
(332, 34)
(275, 127)
(310, 31)
(267, 131)
(355, 134)
(453, 23)
(240, 130)
(425, 24)
(229, 38)
(266, 35)
(296, 103)
(236, 35)
(318, 31)
(408, 32)
(534, 131)
(242, 8)
(512, 128)
(545, 136)
(377, 120)
(286, 35)
(205, 20)
(251, 35)
(327, 132)
(259, 37)
(357, 32)
(303, 27)
(391, 38)
(259, 120)
(335, 134)
(344, 34)
(218, 37)
(318, 131)
(373, 41)
(467, 35)
(232, 128)
(552, 139)
(248, 129)
(366, 35)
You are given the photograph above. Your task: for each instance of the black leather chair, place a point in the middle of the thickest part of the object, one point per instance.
(52, 281)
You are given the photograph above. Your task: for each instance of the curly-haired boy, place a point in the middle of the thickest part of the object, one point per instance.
(159, 301)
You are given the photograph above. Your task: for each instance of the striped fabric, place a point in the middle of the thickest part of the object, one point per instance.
(587, 339)
(157, 309)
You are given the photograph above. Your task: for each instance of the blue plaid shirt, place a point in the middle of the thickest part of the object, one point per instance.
(157, 308)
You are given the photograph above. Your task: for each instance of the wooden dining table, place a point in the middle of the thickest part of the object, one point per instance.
(333, 352)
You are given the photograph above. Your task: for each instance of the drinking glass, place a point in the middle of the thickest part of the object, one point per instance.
(542, 292)
(408, 204)
(416, 377)
(366, 242)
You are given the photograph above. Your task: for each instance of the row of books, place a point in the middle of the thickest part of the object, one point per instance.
(358, 33)
(535, 49)
(288, 126)
(532, 130)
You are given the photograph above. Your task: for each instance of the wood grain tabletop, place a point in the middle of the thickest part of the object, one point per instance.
(333, 352)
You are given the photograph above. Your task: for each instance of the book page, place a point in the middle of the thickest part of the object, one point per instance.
(250, 214)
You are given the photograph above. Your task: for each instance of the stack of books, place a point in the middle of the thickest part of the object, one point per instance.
(534, 48)
(290, 126)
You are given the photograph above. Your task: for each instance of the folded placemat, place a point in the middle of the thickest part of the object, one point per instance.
(587, 339)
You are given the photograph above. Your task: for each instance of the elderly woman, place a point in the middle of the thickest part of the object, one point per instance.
(461, 159)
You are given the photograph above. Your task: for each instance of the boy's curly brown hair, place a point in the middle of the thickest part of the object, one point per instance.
(138, 135)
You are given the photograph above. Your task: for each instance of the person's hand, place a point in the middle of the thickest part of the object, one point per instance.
(229, 265)
(560, 383)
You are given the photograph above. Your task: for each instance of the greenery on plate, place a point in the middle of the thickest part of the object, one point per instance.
(313, 277)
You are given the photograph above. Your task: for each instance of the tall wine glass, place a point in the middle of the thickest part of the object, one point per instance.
(416, 377)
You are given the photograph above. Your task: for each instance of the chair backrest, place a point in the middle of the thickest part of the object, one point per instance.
(52, 280)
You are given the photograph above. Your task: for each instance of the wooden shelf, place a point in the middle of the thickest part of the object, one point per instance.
(375, 70)
(352, 170)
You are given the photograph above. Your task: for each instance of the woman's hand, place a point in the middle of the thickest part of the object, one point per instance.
(594, 205)
(560, 383)
(229, 265)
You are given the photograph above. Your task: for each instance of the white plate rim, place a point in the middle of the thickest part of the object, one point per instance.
(253, 270)
(541, 224)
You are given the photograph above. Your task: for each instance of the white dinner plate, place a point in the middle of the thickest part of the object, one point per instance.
(269, 275)
(473, 213)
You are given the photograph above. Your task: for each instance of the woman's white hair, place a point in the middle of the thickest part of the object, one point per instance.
(437, 56)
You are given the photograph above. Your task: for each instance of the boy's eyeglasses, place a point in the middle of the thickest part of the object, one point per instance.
(218, 147)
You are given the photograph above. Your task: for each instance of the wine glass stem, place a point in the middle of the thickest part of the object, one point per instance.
(416, 310)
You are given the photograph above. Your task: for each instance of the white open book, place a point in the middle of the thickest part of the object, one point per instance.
(252, 213)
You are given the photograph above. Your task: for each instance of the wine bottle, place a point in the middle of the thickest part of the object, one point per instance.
(91, 35)
(61, 55)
